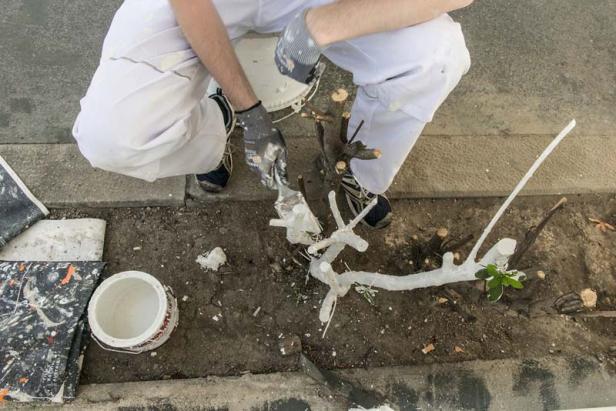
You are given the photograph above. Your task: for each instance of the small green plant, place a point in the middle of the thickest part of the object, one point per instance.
(498, 279)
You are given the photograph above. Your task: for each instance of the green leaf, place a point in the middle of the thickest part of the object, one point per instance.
(495, 282)
(514, 283)
(492, 270)
(495, 293)
(482, 274)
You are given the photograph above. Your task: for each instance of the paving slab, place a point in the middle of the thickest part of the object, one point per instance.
(536, 64)
(59, 176)
(50, 51)
(458, 166)
(80, 239)
(524, 384)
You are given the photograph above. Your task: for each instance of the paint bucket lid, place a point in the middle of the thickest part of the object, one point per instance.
(276, 91)
(127, 309)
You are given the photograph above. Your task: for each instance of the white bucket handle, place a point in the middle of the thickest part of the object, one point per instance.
(298, 105)
(104, 347)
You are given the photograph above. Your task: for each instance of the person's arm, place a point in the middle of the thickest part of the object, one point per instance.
(309, 33)
(208, 37)
(264, 147)
(365, 17)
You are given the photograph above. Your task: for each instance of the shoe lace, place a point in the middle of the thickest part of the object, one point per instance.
(364, 196)
(227, 157)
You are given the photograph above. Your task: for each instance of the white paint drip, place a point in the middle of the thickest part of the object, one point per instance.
(33, 297)
(295, 215)
(212, 260)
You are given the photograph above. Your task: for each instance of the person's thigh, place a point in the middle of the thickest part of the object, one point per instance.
(403, 77)
(412, 69)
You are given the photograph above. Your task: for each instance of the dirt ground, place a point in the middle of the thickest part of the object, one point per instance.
(265, 272)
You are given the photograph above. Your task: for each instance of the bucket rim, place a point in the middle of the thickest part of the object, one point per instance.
(150, 332)
(288, 92)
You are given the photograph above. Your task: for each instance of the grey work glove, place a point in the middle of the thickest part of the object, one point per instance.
(297, 54)
(265, 149)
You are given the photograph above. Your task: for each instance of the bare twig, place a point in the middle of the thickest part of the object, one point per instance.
(532, 234)
(302, 185)
(361, 124)
(452, 245)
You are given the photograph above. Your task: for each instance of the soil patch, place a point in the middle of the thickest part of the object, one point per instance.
(232, 321)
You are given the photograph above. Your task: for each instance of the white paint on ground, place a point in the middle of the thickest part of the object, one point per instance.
(212, 260)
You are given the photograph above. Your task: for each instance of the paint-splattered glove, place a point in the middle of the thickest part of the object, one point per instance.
(265, 149)
(297, 54)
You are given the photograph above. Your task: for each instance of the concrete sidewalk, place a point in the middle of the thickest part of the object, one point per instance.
(536, 65)
(544, 384)
(439, 167)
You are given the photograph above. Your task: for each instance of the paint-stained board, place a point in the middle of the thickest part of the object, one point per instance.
(18, 206)
(42, 306)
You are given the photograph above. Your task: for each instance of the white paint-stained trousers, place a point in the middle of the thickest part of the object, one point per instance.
(146, 113)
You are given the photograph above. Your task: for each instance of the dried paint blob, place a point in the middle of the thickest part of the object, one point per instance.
(212, 260)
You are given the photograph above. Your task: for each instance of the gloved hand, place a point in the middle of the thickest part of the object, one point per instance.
(265, 149)
(297, 54)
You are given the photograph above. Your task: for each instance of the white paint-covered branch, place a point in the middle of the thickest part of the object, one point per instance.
(548, 150)
(335, 211)
(449, 272)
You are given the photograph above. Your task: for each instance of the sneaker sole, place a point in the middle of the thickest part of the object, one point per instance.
(209, 187)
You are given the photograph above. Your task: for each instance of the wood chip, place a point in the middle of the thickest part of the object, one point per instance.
(541, 275)
(602, 225)
(458, 349)
(589, 298)
(442, 300)
(428, 348)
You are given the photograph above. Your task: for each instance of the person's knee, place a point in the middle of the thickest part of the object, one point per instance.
(432, 73)
(446, 52)
(103, 141)
(457, 56)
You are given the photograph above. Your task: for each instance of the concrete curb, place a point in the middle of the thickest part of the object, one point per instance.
(548, 383)
(458, 167)
(438, 167)
(60, 176)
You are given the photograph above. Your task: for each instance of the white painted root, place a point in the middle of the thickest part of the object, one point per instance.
(295, 216)
(449, 272)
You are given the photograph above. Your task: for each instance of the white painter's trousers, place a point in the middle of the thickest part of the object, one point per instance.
(146, 113)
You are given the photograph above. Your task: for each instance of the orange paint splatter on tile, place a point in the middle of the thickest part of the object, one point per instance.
(69, 274)
(3, 393)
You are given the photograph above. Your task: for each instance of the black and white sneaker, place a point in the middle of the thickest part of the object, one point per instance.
(359, 198)
(217, 179)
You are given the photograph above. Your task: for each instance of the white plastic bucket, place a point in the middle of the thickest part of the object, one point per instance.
(277, 92)
(132, 312)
